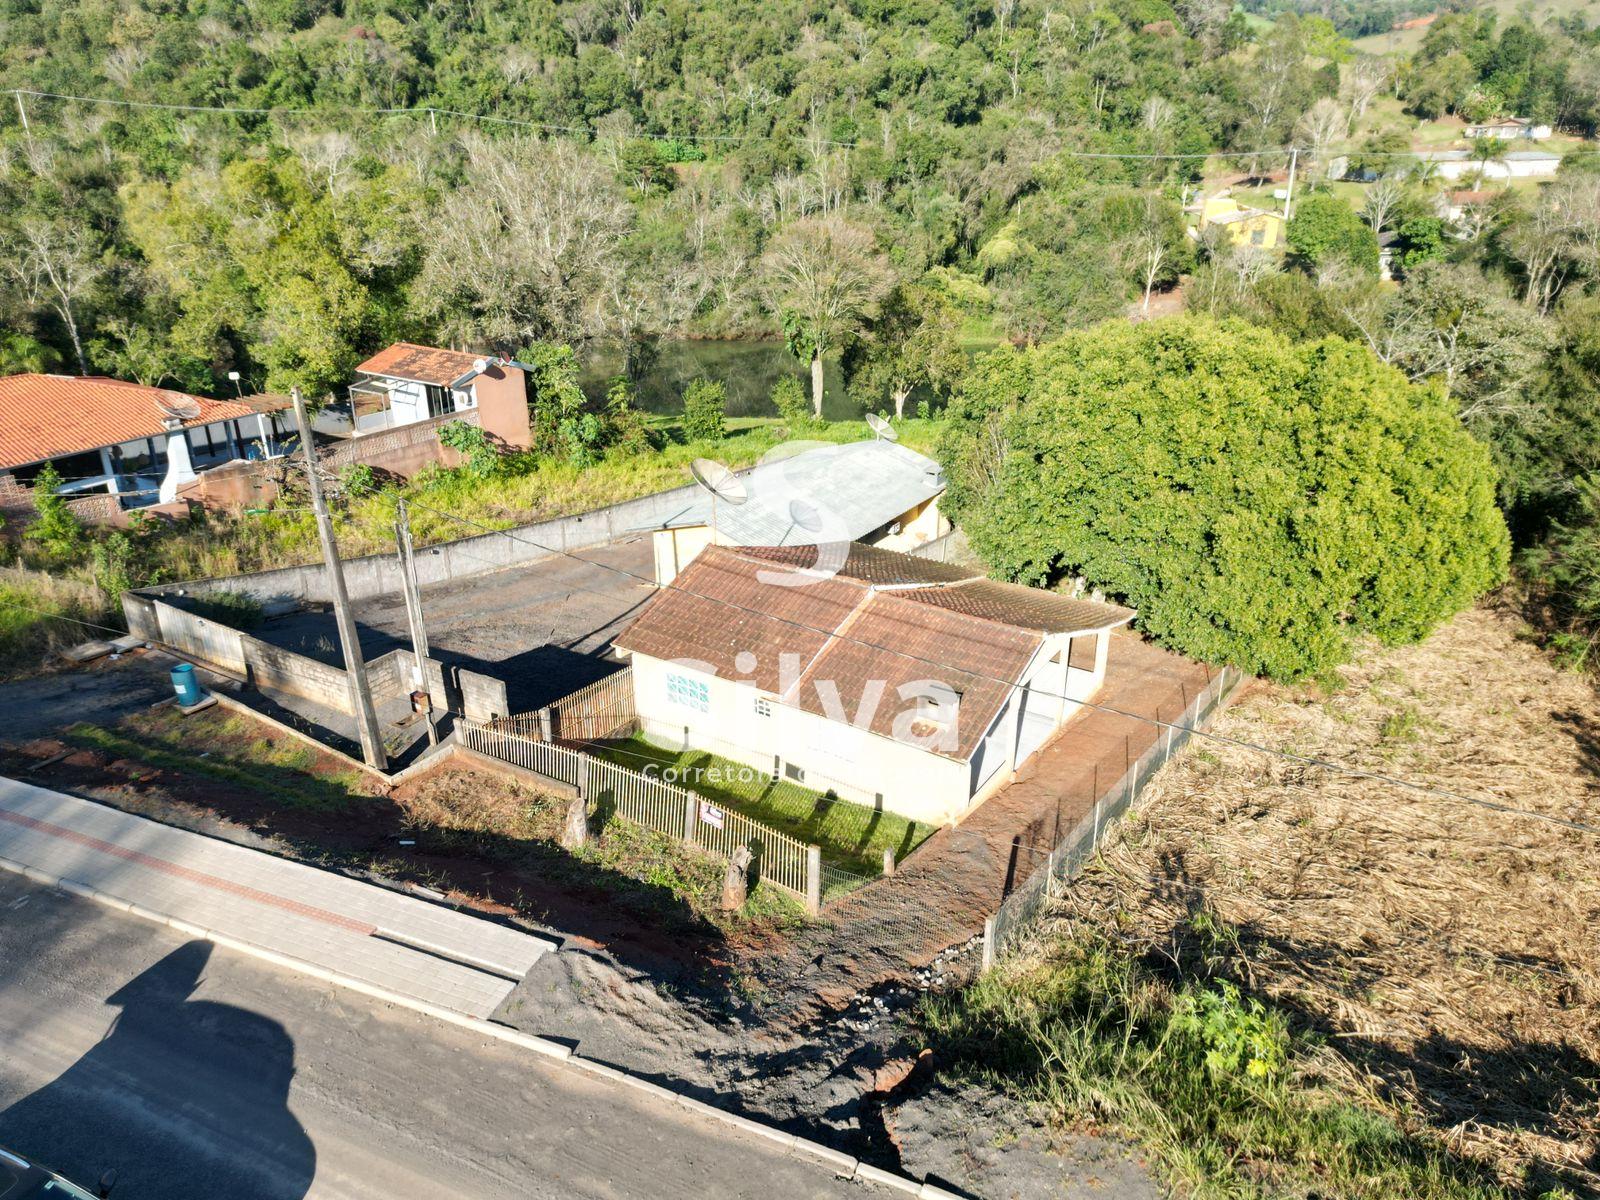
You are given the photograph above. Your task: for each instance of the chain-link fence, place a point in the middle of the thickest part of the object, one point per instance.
(1027, 901)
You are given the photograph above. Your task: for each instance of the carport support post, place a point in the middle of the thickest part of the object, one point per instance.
(355, 670)
(813, 881)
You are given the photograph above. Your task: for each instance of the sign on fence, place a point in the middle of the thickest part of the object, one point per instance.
(710, 814)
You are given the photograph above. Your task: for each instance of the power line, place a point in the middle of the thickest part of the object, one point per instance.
(1241, 743)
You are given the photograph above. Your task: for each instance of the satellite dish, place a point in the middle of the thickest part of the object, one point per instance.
(882, 428)
(178, 407)
(722, 483)
(480, 365)
(805, 515)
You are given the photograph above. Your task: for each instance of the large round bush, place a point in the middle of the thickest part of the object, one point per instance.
(1258, 501)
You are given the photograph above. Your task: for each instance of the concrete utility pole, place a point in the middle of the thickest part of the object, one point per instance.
(413, 594)
(1288, 203)
(355, 669)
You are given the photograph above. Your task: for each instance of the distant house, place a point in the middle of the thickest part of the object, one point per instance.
(895, 681)
(876, 492)
(1509, 129)
(406, 384)
(1244, 226)
(120, 446)
(1453, 206)
(1514, 164)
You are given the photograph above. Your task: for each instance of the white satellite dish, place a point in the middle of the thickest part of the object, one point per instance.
(722, 483)
(882, 428)
(805, 516)
(177, 407)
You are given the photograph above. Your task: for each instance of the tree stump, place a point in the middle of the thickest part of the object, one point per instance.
(576, 833)
(736, 883)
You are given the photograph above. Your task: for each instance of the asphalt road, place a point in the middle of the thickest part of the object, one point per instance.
(198, 1072)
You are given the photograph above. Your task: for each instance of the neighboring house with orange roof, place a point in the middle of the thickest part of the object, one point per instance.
(406, 384)
(119, 446)
(894, 681)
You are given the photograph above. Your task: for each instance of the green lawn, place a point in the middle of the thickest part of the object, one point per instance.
(852, 836)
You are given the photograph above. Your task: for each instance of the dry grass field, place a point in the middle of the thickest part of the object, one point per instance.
(1441, 956)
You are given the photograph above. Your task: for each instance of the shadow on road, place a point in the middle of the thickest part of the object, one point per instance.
(187, 1099)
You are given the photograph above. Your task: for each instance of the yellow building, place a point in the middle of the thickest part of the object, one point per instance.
(1245, 226)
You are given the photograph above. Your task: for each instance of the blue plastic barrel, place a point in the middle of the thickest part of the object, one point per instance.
(186, 685)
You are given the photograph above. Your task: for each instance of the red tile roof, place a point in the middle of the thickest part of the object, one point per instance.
(47, 416)
(882, 616)
(424, 364)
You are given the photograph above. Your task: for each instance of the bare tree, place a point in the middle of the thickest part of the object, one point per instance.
(1321, 127)
(1366, 76)
(530, 249)
(824, 277)
(53, 264)
(1559, 238)
(1383, 199)
(329, 156)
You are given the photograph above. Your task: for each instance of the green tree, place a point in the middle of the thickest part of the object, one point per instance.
(56, 528)
(915, 340)
(1326, 232)
(824, 278)
(789, 398)
(1258, 501)
(705, 403)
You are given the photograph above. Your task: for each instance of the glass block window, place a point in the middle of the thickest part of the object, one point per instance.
(691, 693)
(763, 706)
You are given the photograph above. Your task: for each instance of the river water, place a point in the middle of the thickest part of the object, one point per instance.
(748, 369)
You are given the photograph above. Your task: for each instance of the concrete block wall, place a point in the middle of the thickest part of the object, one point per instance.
(199, 637)
(378, 575)
(269, 666)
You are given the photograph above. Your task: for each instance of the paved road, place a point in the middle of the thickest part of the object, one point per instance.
(200, 1073)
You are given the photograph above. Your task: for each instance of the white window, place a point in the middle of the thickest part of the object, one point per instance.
(763, 706)
(691, 693)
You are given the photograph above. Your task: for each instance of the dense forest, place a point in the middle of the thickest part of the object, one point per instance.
(877, 182)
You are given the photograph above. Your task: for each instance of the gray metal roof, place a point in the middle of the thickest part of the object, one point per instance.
(820, 495)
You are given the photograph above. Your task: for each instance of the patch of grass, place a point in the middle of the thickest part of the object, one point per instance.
(237, 609)
(38, 615)
(851, 835)
(1401, 725)
(1209, 1080)
(486, 817)
(277, 769)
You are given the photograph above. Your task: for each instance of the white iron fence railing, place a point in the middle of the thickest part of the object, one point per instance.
(1028, 900)
(780, 860)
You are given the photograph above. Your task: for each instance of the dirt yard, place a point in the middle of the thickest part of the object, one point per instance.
(1446, 952)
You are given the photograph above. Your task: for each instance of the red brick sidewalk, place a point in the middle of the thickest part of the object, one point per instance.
(959, 876)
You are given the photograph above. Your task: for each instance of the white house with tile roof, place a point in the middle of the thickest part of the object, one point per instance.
(897, 682)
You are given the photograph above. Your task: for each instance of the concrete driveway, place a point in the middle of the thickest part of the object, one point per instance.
(542, 628)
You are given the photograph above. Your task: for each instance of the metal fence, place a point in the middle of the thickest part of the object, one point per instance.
(1027, 901)
(781, 860)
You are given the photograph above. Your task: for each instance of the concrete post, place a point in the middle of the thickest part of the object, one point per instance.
(583, 776)
(888, 860)
(688, 818)
(988, 943)
(813, 881)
